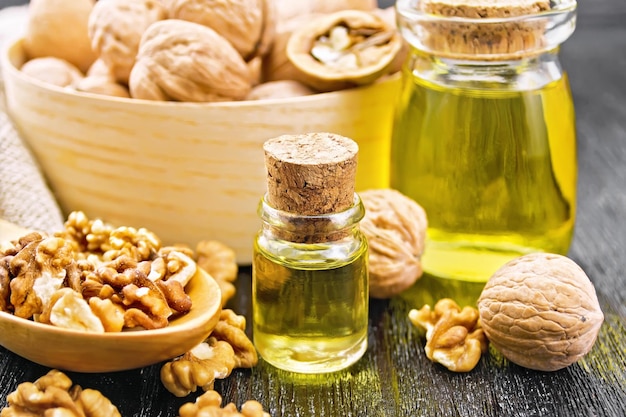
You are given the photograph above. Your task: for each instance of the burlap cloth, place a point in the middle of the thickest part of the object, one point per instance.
(25, 198)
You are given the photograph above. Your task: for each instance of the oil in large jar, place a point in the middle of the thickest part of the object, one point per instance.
(310, 317)
(494, 168)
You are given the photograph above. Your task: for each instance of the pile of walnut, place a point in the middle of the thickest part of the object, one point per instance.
(539, 310)
(207, 51)
(54, 395)
(94, 277)
(228, 347)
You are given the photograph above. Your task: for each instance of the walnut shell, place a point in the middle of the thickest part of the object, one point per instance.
(185, 61)
(115, 29)
(395, 227)
(58, 28)
(541, 311)
(276, 65)
(343, 49)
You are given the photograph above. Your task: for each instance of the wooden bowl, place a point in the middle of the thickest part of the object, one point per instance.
(73, 350)
(186, 171)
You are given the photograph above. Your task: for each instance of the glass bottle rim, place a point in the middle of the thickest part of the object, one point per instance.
(331, 221)
(409, 9)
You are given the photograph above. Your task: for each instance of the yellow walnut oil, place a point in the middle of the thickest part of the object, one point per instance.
(493, 164)
(311, 304)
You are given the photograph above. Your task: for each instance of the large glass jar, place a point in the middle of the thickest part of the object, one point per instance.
(484, 132)
(310, 289)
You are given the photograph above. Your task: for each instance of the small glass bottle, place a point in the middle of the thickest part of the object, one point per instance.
(310, 262)
(484, 132)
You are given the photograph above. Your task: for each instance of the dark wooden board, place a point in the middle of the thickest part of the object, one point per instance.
(395, 378)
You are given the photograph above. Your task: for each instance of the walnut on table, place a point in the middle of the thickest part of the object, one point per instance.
(228, 347)
(454, 336)
(395, 227)
(54, 395)
(209, 404)
(541, 311)
(220, 262)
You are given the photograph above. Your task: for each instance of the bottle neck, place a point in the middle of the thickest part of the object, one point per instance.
(299, 228)
(528, 73)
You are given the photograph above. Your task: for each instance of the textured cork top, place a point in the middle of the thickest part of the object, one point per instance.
(507, 39)
(311, 173)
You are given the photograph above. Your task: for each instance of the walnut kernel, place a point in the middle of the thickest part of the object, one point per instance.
(54, 395)
(454, 337)
(209, 403)
(227, 348)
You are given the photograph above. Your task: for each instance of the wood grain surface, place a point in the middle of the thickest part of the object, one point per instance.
(395, 378)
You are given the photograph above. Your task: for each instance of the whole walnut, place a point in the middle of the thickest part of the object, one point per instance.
(395, 227)
(184, 61)
(115, 29)
(541, 311)
(53, 71)
(241, 22)
(58, 28)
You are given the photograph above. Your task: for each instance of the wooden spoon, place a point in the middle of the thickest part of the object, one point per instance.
(78, 351)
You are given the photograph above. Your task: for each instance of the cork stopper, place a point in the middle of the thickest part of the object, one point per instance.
(500, 39)
(311, 174)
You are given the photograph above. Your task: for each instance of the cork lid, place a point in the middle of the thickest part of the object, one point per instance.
(311, 174)
(479, 29)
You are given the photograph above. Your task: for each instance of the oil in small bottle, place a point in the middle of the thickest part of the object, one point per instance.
(310, 316)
